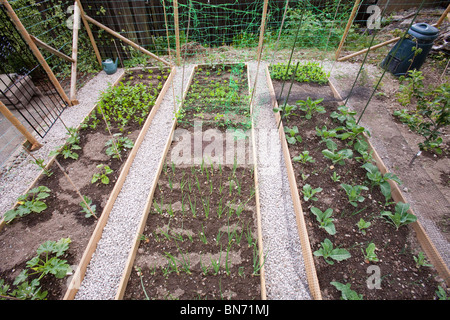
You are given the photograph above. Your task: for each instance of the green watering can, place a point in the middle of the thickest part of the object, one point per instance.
(110, 66)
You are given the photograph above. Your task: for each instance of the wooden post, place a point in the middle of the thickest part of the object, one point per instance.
(263, 26)
(441, 19)
(15, 19)
(73, 79)
(347, 28)
(131, 43)
(89, 32)
(50, 49)
(19, 126)
(177, 31)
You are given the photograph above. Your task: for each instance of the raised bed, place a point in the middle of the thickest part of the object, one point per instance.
(200, 237)
(63, 217)
(393, 273)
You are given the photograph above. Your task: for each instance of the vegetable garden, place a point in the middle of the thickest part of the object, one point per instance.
(252, 164)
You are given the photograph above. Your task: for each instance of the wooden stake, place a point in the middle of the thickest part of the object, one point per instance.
(441, 19)
(177, 31)
(73, 79)
(367, 49)
(19, 126)
(15, 19)
(261, 32)
(127, 41)
(90, 35)
(347, 28)
(76, 189)
(50, 49)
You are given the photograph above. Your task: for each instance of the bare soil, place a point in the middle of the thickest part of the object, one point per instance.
(20, 239)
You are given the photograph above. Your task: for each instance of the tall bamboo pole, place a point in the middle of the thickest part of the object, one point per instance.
(73, 79)
(177, 31)
(15, 19)
(19, 126)
(347, 28)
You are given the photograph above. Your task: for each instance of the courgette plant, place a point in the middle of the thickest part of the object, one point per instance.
(28, 203)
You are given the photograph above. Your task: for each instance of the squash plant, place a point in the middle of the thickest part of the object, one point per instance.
(28, 203)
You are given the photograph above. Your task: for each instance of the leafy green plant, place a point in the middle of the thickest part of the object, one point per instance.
(401, 216)
(306, 72)
(293, 137)
(346, 292)
(309, 192)
(352, 132)
(338, 156)
(85, 209)
(117, 144)
(40, 164)
(369, 253)
(47, 261)
(335, 177)
(354, 193)
(324, 219)
(303, 157)
(363, 225)
(287, 111)
(329, 253)
(421, 260)
(102, 175)
(24, 291)
(378, 179)
(28, 203)
(343, 114)
(310, 106)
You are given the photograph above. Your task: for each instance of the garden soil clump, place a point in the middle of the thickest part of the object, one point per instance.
(63, 217)
(395, 249)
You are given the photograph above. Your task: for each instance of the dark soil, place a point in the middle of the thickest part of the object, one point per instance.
(184, 230)
(400, 277)
(62, 218)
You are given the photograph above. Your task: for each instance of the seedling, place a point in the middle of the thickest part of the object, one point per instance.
(90, 209)
(292, 137)
(346, 292)
(28, 203)
(328, 252)
(303, 157)
(310, 106)
(378, 179)
(324, 219)
(401, 217)
(363, 225)
(338, 157)
(102, 175)
(343, 114)
(309, 192)
(354, 193)
(369, 254)
(335, 177)
(117, 144)
(421, 261)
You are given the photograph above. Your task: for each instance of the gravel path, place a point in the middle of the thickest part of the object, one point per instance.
(21, 172)
(285, 273)
(104, 273)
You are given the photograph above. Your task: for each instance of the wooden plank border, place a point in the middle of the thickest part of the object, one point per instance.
(310, 268)
(135, 246)
(95, 237)
(424, 240)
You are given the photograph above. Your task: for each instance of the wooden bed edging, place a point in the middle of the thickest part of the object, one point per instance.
(310, 268)
(424, 240)
(135, 246)
(96, 235)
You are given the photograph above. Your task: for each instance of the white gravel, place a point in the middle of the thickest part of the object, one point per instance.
(21, 172)
(106, 267)
(285, 274)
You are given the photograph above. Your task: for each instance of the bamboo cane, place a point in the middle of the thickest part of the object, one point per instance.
(89, 32)
(347, 28)
(19, 126)
(73, 79)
